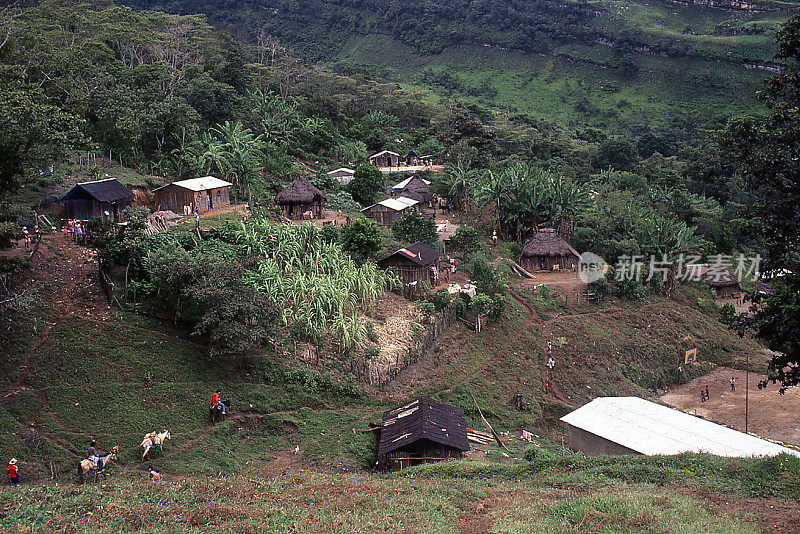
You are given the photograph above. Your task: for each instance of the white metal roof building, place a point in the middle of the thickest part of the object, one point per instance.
(199, 184)
(620, 425)
(396, 204)
(343, 175)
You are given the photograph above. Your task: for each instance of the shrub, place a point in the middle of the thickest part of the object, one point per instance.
(467, 240)
(361, 238)
(366, 184)
(415, 227)
(460, 307)
(480, 304)
(727, 313)
(629, 290)
(440, 299)
(486, 278)
(600, 288)
(427, 308)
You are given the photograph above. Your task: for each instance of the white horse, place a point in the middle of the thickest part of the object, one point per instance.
(153, 439)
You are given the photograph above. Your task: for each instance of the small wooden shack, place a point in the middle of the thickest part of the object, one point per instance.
(185, 196)
(343, 175)
(726, 286)
(412, 159)
(415, 265)
(414, 187)
(102, 198)
(384, 158)
(422, 431)
(548, 251)
(301, 198)
(389, 211)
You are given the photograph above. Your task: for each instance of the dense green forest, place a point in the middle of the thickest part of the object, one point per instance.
(617, 65)
(173, 96)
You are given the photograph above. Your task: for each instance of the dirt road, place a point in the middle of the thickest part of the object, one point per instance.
(772, 415)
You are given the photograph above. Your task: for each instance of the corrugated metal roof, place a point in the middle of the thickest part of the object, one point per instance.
(381, 152)
(652, 429)
(404, 183)
(396, 204)
(199, 184)
(342, 169)
(423, 418)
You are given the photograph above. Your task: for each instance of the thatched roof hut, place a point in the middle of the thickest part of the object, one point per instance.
(722, 281)
(548, 251)
(300, 198)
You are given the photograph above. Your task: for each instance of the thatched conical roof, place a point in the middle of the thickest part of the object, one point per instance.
(547, 242)
(719, 278)
(301, 191)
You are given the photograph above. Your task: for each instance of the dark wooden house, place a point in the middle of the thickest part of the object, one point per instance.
(548, 251)
(415, 265)
(300, 198)
(202, 194)
(384, 158)
(412, 159)
(421, 431)
(416, 188)
(389, 211)
(726, 286)
(103, 198)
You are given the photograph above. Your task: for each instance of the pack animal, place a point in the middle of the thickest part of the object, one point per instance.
(154, 439)
(87, 467)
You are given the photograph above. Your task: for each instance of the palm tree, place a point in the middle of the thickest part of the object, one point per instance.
(459, 180)
(186, 153)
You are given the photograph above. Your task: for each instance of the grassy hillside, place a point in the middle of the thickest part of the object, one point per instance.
(75, 370)
(613, 63)
(558, 494)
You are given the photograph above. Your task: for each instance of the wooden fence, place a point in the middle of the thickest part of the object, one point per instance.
(105, 283)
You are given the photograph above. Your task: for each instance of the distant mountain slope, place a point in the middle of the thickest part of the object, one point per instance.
(611, 63)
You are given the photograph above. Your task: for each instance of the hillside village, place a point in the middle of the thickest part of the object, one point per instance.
(239, 293)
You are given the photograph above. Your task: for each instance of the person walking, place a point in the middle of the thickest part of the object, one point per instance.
(706, 391)
(153, 475)
(702, 395)
(13, 472)
(733, 384)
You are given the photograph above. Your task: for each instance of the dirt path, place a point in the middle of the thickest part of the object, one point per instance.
(771, 415)
(66, 276)
(476, 516)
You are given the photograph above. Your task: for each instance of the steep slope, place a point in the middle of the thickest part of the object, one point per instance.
(618, 64)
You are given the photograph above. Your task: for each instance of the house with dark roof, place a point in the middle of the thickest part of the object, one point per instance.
(300, 198)
(422, 431)
(102, 198)
(202, 194)
(414, 187)
(415, 265)
(548, 251)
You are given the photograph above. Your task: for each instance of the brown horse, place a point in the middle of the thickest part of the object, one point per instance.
(86, 467)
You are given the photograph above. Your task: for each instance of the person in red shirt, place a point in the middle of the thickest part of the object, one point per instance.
(215, 400)
(13, 472)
